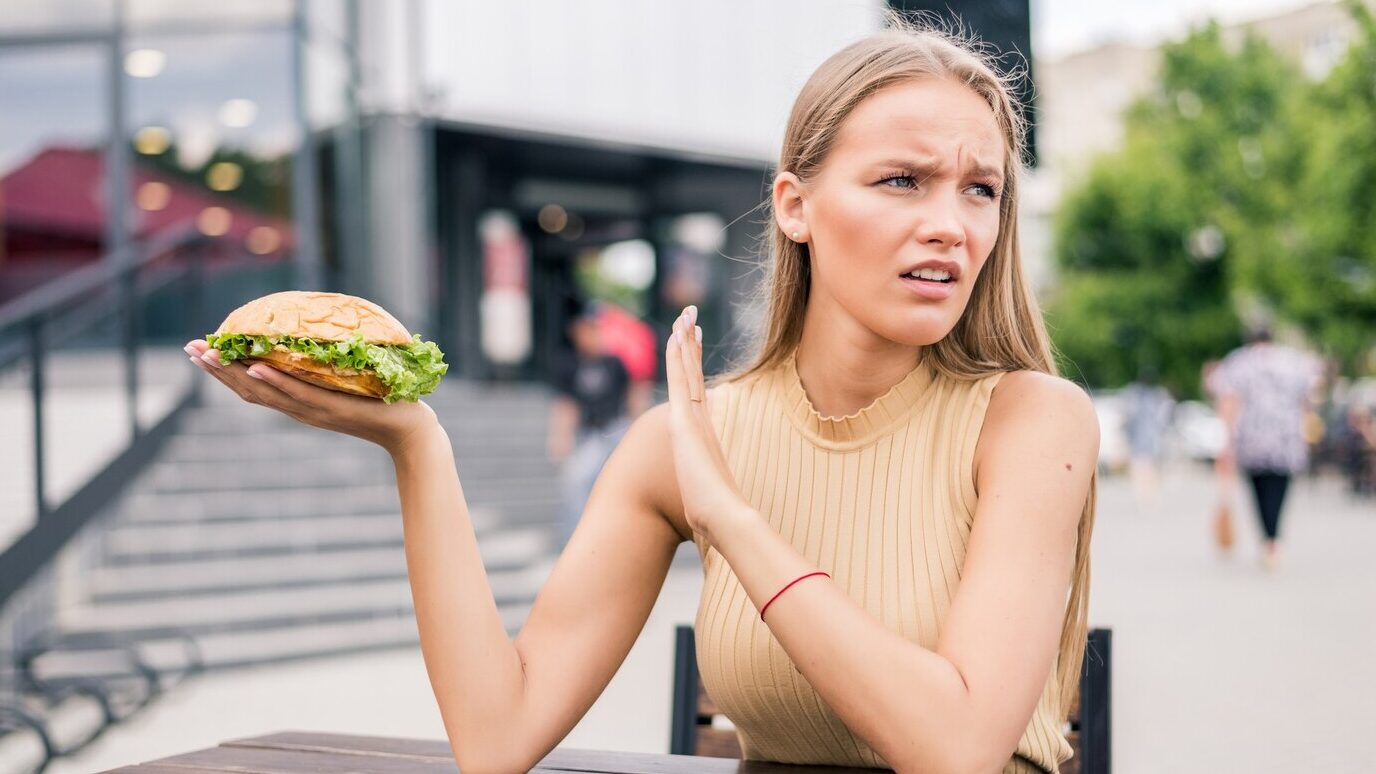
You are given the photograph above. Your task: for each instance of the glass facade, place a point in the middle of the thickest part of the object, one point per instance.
(56, 121)
(210, 128)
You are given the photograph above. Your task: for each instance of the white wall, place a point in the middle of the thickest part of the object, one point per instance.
(707, 75)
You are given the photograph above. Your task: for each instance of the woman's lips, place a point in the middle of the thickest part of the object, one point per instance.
(929, 289)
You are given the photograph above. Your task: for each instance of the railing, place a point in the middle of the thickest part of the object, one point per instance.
(31, 328)
(34, 324)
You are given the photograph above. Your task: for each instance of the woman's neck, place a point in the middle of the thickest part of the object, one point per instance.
(844, 367)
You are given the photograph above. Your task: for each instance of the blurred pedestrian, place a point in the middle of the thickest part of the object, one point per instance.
(1147, 408)
(588, 418)
(1359, 454)
(1264, 392)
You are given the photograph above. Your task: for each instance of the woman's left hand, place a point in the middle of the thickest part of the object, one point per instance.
(709, 491)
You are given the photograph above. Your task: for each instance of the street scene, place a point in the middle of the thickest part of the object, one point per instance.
(924, 298)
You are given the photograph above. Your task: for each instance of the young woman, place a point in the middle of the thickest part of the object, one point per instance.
(893, 501)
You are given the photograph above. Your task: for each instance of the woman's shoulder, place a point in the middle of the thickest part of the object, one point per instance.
(1025, 400)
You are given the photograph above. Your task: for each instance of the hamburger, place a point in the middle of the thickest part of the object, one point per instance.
(332, 340)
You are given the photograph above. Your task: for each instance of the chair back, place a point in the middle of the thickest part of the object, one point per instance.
(699, 728)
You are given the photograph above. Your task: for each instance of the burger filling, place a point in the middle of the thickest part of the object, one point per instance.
(409, 370)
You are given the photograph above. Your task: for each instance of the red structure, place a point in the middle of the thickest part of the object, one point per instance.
(53, 214)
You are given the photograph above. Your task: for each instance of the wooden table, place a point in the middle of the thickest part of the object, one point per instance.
(299, 752)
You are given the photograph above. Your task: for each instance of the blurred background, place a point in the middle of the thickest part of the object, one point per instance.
(539, 188)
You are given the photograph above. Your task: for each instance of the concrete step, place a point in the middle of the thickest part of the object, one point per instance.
(237, 420)
(336, 486)
(247, 477)
(248, 469)
(487, 509)
(160, 544)
(238, 611)
(267, 646)
(501, 551)
(248, 473)
(314, 444)
(148, 506)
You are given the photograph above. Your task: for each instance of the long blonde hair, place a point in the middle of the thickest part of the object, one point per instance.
(1001, 328)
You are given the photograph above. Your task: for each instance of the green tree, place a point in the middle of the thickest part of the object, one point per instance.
(1150, 244)
(1326, 278)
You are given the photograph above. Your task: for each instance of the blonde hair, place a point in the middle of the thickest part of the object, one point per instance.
(1001, 328)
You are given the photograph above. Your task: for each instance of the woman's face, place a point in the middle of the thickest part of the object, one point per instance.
(914, 180)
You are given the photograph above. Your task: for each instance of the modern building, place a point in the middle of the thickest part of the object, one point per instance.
(385, 133)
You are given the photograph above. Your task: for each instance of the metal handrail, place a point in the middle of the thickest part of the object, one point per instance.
(66, 299)
(37, 309)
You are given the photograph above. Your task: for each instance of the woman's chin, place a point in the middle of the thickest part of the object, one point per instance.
(923, 333)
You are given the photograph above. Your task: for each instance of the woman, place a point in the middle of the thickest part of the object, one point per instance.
(904, 436)
(1264, 393)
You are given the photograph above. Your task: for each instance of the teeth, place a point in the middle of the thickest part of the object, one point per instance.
(931, 274)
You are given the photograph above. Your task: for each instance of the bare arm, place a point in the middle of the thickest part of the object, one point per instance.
(978, 688)
(505, 705)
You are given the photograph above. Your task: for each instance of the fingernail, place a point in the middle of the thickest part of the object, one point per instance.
(254, 374)
(212, 358)
(692, 314)
(190, 350)
(697, 333)
(678, 334)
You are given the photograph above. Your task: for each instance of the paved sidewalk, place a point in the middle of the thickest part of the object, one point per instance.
(1218, 667)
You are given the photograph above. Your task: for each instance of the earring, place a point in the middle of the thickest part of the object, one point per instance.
(795, 234)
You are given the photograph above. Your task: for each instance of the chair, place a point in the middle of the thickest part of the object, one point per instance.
(692, 731)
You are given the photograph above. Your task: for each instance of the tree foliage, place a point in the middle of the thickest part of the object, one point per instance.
(1241, 189)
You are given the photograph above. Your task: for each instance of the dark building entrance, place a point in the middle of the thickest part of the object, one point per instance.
(515, 210)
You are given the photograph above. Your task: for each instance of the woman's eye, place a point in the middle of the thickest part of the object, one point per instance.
(987, 191)
(907, 179)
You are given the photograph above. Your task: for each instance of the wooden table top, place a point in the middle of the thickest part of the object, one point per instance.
(299, 752)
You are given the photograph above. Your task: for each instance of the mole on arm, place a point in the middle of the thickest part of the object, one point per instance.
(1067, 466)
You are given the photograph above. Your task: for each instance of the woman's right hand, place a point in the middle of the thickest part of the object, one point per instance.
(388, 426)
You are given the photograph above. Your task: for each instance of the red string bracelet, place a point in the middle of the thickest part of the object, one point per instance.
(786, 588)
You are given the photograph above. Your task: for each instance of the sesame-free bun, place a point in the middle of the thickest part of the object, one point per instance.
(318, 316)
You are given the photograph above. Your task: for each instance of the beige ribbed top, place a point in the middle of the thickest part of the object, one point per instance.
(883, 500)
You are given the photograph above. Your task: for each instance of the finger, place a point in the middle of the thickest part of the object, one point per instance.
(692, 360)
(673, 368)
(235, 377)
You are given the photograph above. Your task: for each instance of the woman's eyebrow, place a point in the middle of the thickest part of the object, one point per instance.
(930, 166)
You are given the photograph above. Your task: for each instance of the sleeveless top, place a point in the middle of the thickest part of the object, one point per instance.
(883, 500)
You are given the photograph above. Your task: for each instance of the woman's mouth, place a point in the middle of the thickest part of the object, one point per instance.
(931, 284)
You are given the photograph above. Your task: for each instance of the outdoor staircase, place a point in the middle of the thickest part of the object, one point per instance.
(254, 539)
(267, 540)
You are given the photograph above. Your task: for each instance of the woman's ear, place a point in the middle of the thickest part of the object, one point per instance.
(790, 210)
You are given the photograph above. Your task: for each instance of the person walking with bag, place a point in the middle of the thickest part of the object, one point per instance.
(1263, 391)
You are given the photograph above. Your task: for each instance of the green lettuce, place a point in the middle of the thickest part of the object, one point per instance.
(410, 370)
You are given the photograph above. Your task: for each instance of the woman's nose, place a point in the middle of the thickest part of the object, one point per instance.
(939, 222)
